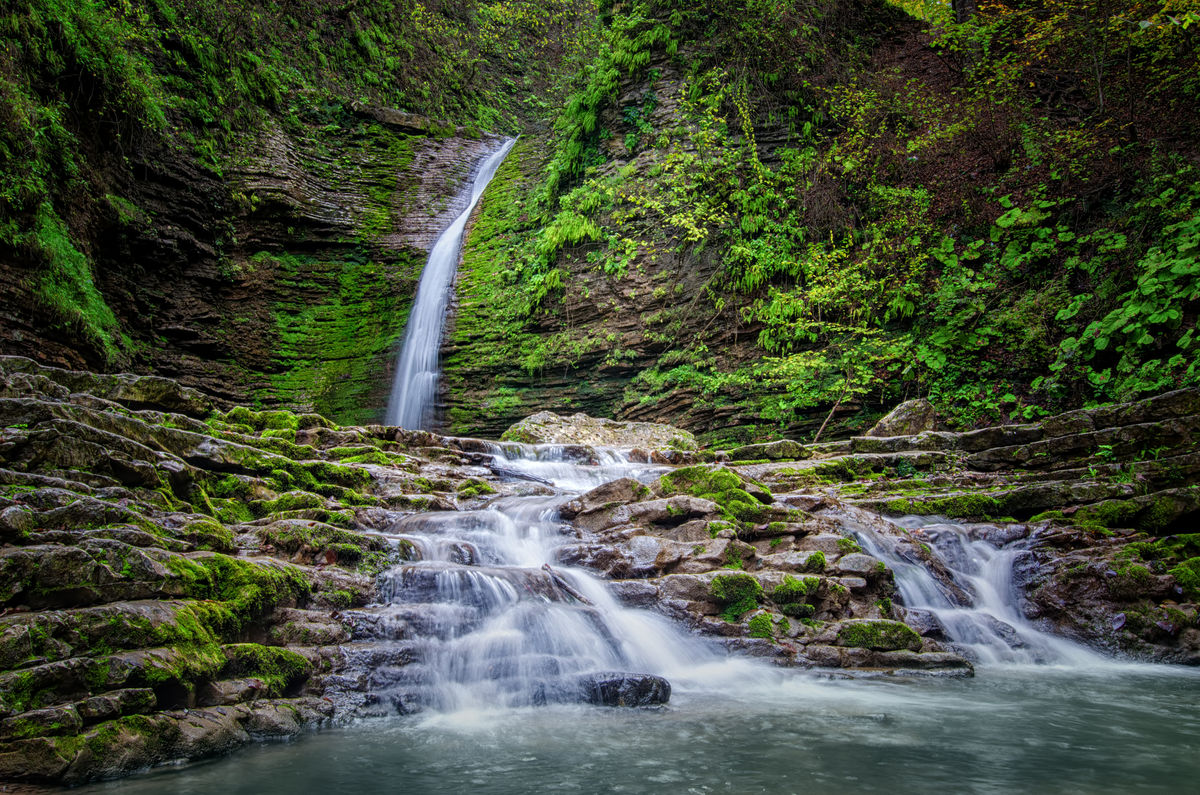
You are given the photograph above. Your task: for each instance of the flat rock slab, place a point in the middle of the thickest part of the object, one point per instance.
(548, 428)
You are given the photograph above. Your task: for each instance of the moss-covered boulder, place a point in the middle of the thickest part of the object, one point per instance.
(877, 635)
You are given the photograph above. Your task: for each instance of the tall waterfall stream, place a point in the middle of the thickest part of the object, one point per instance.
(414, 389)
(474, 671)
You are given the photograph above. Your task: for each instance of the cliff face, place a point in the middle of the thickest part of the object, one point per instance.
(755, 240)
(287, 280)
(224, 197)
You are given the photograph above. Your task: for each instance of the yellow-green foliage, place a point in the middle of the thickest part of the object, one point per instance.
(722, 486)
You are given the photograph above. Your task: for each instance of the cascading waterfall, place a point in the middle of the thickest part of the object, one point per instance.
(990, 629)
(414, 390)
(485, 618)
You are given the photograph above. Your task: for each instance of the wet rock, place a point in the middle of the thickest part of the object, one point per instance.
(909, 418)
(877, 635)
(229, 691)
(825, 543)
(923, 622)
(860, 564)
(624, 690)
(616, 492)
(116, 703)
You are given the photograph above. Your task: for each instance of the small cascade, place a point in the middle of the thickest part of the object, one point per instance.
(977, 608)
(487, 619)
(414, 390)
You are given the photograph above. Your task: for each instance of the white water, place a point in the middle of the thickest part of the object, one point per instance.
(989, 629)
(484, 653)
(480, 623)
(414, 390)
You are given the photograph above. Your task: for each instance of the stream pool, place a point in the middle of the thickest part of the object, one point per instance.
(1115, 728)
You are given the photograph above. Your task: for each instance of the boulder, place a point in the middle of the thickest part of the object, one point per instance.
(778, 450)
(877, 635)
(909, 418)
(861, 564)
(548, 428)
(624, 690)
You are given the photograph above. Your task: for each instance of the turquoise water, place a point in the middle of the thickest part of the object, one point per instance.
(1028, 729)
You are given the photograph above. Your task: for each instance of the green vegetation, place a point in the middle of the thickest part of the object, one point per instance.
(739, 593)
(761, 626)
(722, 486)
(1015, 236)
(1177, 555)
(878, 635)
(792, 596)
(279, 669)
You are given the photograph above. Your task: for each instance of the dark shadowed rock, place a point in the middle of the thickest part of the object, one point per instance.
(624, 690)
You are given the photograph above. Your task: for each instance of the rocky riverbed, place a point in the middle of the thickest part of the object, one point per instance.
(177, 580)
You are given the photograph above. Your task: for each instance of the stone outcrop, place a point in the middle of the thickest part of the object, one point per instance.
(1103, 502)
(719, 552)
(171, 577)
(908, 419)
(548, 428)
(176, 580)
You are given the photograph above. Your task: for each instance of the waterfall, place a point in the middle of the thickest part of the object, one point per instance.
(989, 629)
(414, 390)
(486, 618)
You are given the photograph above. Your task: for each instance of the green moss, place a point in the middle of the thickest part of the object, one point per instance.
(815, 562)
(231, 511)
(289, 501)
(761, 626)
(961, 506)
(720, 485)
(793, 589)
(475, 488)
(286, 434)
(338, 325)
(878, 635)
(848, 546)
(339, 600)
(279, 669)
(739, 593)
(1107, 514)
(247, 589)
(1129, 580)
(65, 286)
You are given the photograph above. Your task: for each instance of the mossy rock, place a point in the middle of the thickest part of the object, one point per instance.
(722, 486)
(878, 635)
(793, 590)
(280, 669)
(739, 593)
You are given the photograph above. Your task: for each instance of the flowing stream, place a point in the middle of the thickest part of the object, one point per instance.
(989, 629)
(485, 618)
(471, 668)
(480, 668)
(414, 390)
